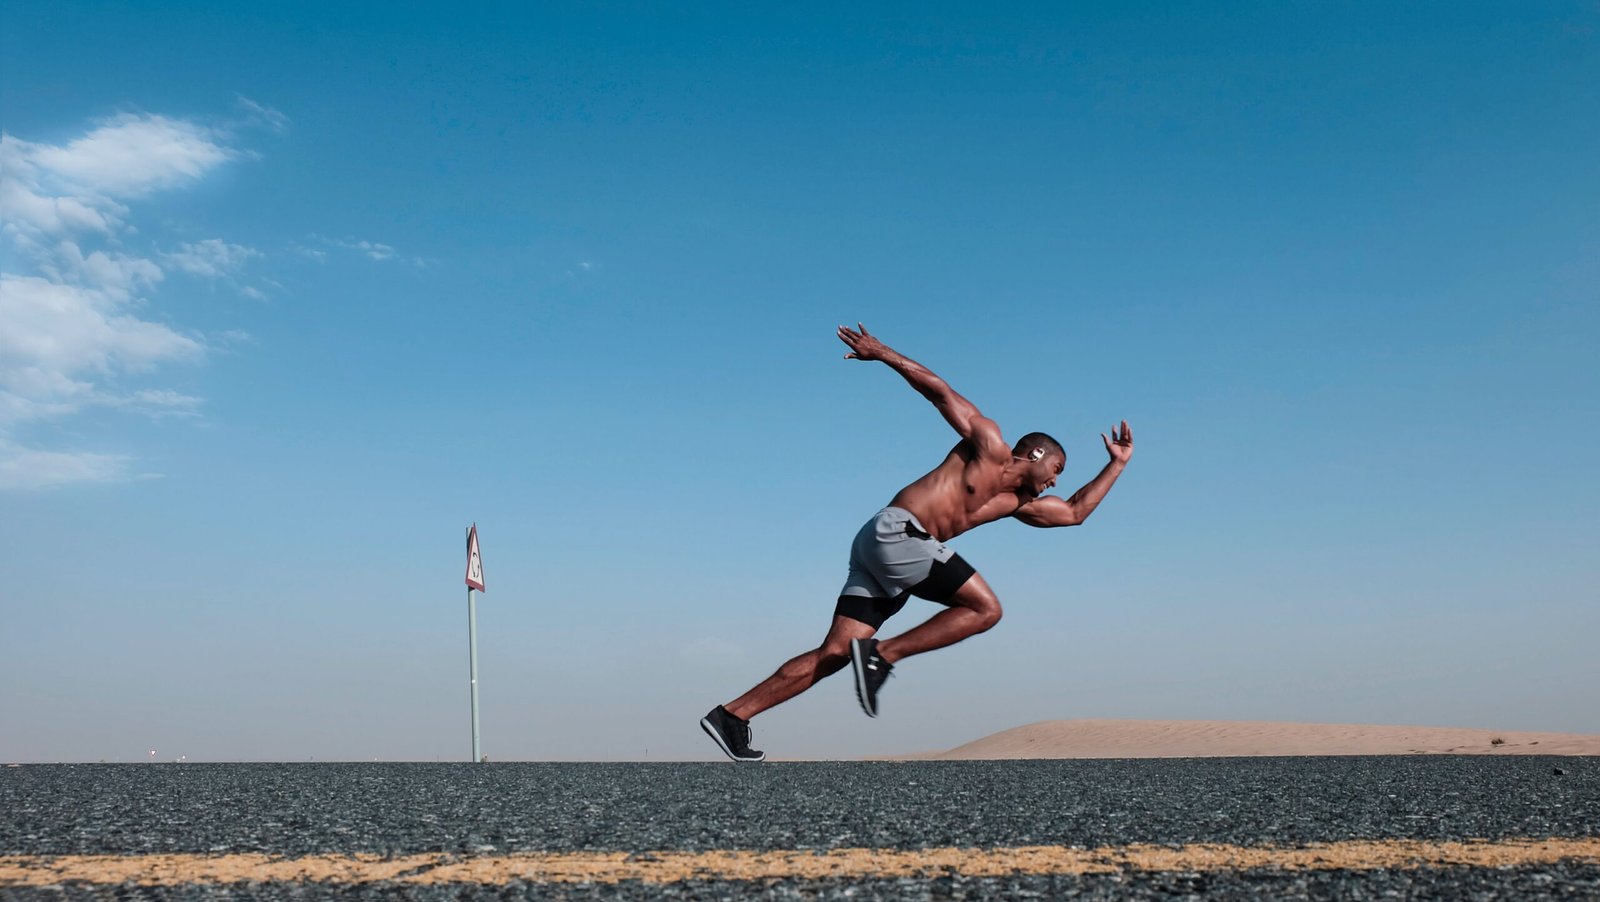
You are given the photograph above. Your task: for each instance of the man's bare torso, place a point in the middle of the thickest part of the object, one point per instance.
(964, 491)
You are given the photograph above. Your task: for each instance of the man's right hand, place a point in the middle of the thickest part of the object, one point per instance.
(862, 345)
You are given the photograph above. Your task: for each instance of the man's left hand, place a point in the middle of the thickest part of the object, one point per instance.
(1120, 447)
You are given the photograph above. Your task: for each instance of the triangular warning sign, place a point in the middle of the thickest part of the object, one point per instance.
(474, 561)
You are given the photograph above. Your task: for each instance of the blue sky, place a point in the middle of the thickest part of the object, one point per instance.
(293, 294)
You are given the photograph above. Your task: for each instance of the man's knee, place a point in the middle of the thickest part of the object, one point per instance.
(988, 615)
(976, 596)
(835, 647)
(833, 651)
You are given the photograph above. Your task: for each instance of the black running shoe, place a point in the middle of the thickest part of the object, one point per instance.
(732, 735)
(871, 670)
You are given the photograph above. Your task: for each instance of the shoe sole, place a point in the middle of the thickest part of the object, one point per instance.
(859, 665)
(705, 724)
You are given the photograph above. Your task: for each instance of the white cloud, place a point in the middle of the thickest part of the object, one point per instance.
(375, 250)
(308, 252)
(50, 191)
(133, 154)
(372, 250)
(59, 338)
(261, 115)
(74, 326)
(212, 258)
(159, 402)
(117, 276)
(28, 210)
(32, 468)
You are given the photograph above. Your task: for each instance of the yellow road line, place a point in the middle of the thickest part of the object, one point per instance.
(674, 867)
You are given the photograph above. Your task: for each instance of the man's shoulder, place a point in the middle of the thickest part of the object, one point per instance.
(985, 448)
(986, 435)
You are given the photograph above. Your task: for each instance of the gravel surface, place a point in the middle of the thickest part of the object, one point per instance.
(298, 809)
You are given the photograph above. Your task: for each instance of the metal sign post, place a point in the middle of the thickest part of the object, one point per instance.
(474, 584)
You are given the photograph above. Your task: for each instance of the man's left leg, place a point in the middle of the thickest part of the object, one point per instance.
(804, 670)
(729, 725)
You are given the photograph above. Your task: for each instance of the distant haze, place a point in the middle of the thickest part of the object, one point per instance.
(1225, 738)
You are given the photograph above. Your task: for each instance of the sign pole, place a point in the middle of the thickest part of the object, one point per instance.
(472, 658)
(474, 585)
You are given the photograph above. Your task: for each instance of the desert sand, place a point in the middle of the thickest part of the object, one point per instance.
(1223, 738)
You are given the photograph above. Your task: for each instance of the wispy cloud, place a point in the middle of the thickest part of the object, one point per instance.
(74, 326)
(31, 468)
(372, 250)
(212, 258)
(308, 252)
(127, 156)
(260, 115)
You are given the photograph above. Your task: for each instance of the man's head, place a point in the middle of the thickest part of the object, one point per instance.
(1042, 459)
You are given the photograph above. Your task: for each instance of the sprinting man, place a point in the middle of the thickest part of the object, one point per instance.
(901, 551)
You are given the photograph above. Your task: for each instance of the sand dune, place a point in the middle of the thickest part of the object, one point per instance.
(1219, 738)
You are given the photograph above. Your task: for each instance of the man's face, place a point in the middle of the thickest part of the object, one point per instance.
(1042, 473)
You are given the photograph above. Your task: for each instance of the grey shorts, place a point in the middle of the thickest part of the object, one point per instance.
(892, 558)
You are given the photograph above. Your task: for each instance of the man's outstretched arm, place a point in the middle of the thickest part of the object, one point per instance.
(1048, 510)
(962, 415)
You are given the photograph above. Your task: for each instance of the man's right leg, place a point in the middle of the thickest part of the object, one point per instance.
(972, 609)
(803, 671)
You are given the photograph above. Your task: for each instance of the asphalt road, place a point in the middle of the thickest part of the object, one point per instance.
(501, 809)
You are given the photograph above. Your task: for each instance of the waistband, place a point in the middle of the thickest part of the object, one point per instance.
(914, 527)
